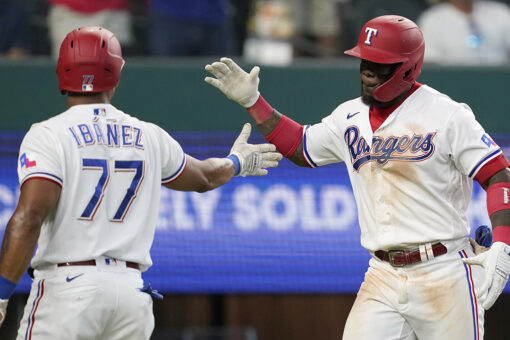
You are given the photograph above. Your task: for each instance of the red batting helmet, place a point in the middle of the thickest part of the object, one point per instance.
(90, 60)
(391, 39)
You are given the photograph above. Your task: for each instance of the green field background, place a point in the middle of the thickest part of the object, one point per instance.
(172, 93)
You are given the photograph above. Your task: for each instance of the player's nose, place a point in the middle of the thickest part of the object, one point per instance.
(369, 78)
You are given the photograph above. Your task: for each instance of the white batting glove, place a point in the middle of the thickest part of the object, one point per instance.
(254, 158)
(234, 82)
(496, 262)
(3, 310)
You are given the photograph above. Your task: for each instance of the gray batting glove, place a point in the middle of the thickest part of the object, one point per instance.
(234, 82)
(3, 310)
(496, 262)
(254, 158)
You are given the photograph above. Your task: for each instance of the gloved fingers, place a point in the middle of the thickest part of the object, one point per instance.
(487, 283)
(269, 164)
(490, 299)
(214, 82)
(232, 65)
(497, 287)
(221, 68)
(210, 69)
(273, 156)
(266, 147)
(3, 310)
(488, 303)
(214, 71)
(477, 260)
(259, 172)
(244, 135)
(254, 73)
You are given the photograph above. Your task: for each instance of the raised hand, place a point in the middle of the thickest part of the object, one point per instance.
(234, 82)
(254, 158)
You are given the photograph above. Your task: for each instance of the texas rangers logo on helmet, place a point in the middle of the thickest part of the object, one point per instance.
(87, 83)
(370, 32)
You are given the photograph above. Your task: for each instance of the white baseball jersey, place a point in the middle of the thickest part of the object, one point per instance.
(111, 167)
(412, 177)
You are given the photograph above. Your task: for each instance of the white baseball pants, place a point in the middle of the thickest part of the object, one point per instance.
(102, 302)
(428, 300)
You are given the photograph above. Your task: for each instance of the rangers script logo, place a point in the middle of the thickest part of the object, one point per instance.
(404, 148)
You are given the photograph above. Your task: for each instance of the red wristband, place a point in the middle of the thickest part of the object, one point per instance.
(501, 233)
(498, 197)
(260, 111)
(286, 136)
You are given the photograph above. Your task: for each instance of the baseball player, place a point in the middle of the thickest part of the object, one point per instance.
(412, 154)
(90, 182)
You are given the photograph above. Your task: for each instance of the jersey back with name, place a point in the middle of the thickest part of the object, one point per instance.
(110, 167)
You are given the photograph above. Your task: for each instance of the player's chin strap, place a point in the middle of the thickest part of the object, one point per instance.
(6, 289)
(495, 261)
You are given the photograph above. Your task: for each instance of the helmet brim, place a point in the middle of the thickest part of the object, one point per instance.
(375, 55)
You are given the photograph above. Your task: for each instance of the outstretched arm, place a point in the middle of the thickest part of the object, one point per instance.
(37, 198)
(244, 160)
(242, 87)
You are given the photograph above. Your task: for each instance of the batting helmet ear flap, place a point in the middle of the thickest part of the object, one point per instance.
(391, 39)
(90, 60)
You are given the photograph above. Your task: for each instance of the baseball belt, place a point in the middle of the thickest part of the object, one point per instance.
(401, 258)
(93, 263)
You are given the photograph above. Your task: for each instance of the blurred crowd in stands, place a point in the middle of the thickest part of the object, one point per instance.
(457, 32)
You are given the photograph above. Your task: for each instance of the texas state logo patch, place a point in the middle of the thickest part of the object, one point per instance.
(488, 141)
(26, 162)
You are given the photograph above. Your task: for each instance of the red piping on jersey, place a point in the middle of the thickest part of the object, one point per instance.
(378, 115)
(491, 168)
